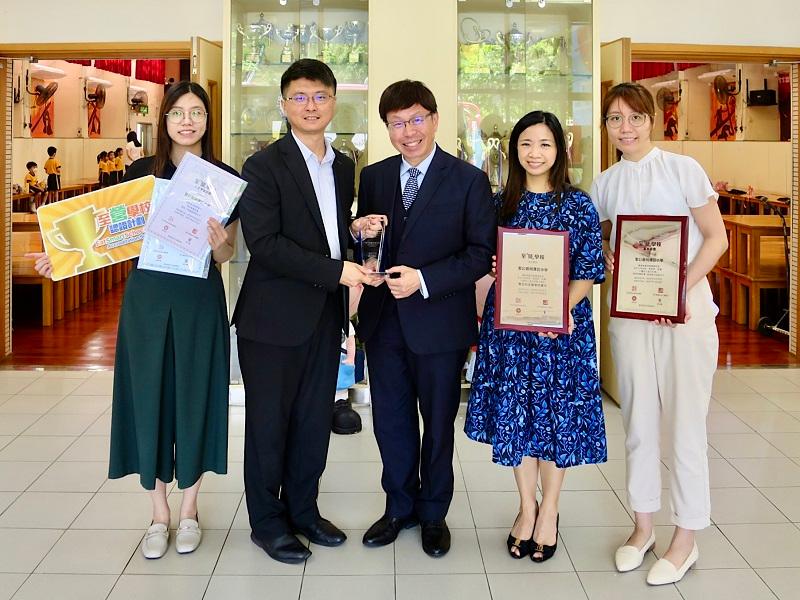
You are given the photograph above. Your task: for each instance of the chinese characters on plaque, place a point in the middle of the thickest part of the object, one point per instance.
(650, 259)
(532, 291)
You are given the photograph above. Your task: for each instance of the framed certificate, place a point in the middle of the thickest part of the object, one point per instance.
(532, 290)
(650, 257)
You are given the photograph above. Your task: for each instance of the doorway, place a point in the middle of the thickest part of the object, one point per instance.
(160, 50)
(710, 73)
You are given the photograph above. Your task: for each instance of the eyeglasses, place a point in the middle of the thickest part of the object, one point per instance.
(413, 121)
(176, 115)
(302, 99)
(635, 119)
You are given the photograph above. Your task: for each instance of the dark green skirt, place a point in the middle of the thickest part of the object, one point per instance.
(169, 416)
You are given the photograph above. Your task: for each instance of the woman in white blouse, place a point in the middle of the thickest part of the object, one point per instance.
(664, 370)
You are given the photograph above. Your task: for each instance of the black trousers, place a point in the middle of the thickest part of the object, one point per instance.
(417, 477)
(288, 412)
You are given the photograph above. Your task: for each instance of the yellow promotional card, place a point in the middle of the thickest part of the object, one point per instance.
(97, 229)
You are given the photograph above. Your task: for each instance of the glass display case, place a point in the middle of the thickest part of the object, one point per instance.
(519, 56)
(264, 37)
(268, 35)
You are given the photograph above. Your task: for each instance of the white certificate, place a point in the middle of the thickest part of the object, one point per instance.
(157, 255)
(198, 191)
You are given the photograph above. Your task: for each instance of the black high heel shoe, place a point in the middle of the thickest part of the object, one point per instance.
(523, 547)
(546, 552)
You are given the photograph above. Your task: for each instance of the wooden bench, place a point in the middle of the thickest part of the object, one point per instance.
(746, 296)
(23, 273)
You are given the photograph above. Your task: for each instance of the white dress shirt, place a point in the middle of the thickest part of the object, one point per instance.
(321, 173)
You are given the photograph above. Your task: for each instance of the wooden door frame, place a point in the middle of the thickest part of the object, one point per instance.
(711, 53)
(5, 213)
(61, 51)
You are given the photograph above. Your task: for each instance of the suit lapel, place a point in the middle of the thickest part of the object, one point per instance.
(433, 178)
(388, 187)
(342, 210)
(297, 167)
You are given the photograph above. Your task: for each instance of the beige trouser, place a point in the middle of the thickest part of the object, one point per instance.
(665, 376)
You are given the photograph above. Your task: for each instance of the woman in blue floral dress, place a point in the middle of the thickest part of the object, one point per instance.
(536, 396)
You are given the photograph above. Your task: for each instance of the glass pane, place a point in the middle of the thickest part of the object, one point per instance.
(515, 60)
(265, 38)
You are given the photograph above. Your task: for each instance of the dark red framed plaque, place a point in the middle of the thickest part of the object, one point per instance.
(650, 259)
(532, 289)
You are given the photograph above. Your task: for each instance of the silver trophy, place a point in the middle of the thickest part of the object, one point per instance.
(327, 35)
(306, 33)
(517, 43)
(256, 38)
(288, 34)
(354, 30)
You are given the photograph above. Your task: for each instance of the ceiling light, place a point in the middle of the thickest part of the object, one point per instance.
(98, 81)
(712, 74)
(665, 84)
(41, 71)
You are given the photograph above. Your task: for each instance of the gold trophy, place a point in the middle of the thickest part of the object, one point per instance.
(77, 233)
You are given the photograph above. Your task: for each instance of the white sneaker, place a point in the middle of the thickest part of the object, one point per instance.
(628, 558)
(156, 540)
(188, 536)
(664, 571)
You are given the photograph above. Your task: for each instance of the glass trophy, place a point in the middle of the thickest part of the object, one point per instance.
(372, 250)
(288, 35)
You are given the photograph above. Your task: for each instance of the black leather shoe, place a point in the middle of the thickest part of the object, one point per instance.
(284, 548)
(435, 538)
(386, 529)
(345, 420)
(324, 533)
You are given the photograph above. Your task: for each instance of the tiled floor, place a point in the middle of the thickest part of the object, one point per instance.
(66, 532)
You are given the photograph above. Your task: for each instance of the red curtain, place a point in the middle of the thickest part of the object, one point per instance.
(85, 63)
(645, 70)
(119, 66)
(151, 70)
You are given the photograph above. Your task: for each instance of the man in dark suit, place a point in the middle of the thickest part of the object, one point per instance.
(291, 313)
(419, 325)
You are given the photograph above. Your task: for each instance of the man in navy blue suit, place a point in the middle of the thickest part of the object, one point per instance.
(418, 326)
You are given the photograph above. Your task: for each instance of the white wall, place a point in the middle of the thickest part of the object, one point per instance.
(728, 22)
(93, 21)
(767, 166)
(767, 23)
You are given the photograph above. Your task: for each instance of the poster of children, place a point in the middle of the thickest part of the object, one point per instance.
(671, 121)
(723, 118)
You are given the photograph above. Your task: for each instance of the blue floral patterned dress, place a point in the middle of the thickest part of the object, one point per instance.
(536, 396)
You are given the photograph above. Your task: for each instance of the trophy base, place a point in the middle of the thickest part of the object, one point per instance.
(94, 263)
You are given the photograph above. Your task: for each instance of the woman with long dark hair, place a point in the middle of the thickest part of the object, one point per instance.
(169, 416)
(536, 396)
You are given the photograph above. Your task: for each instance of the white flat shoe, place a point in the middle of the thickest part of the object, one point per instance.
(188, 536)
(156, 540)
(664, 572)
(628, 558)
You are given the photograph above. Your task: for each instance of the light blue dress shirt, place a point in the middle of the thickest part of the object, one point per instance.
(321, 173)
